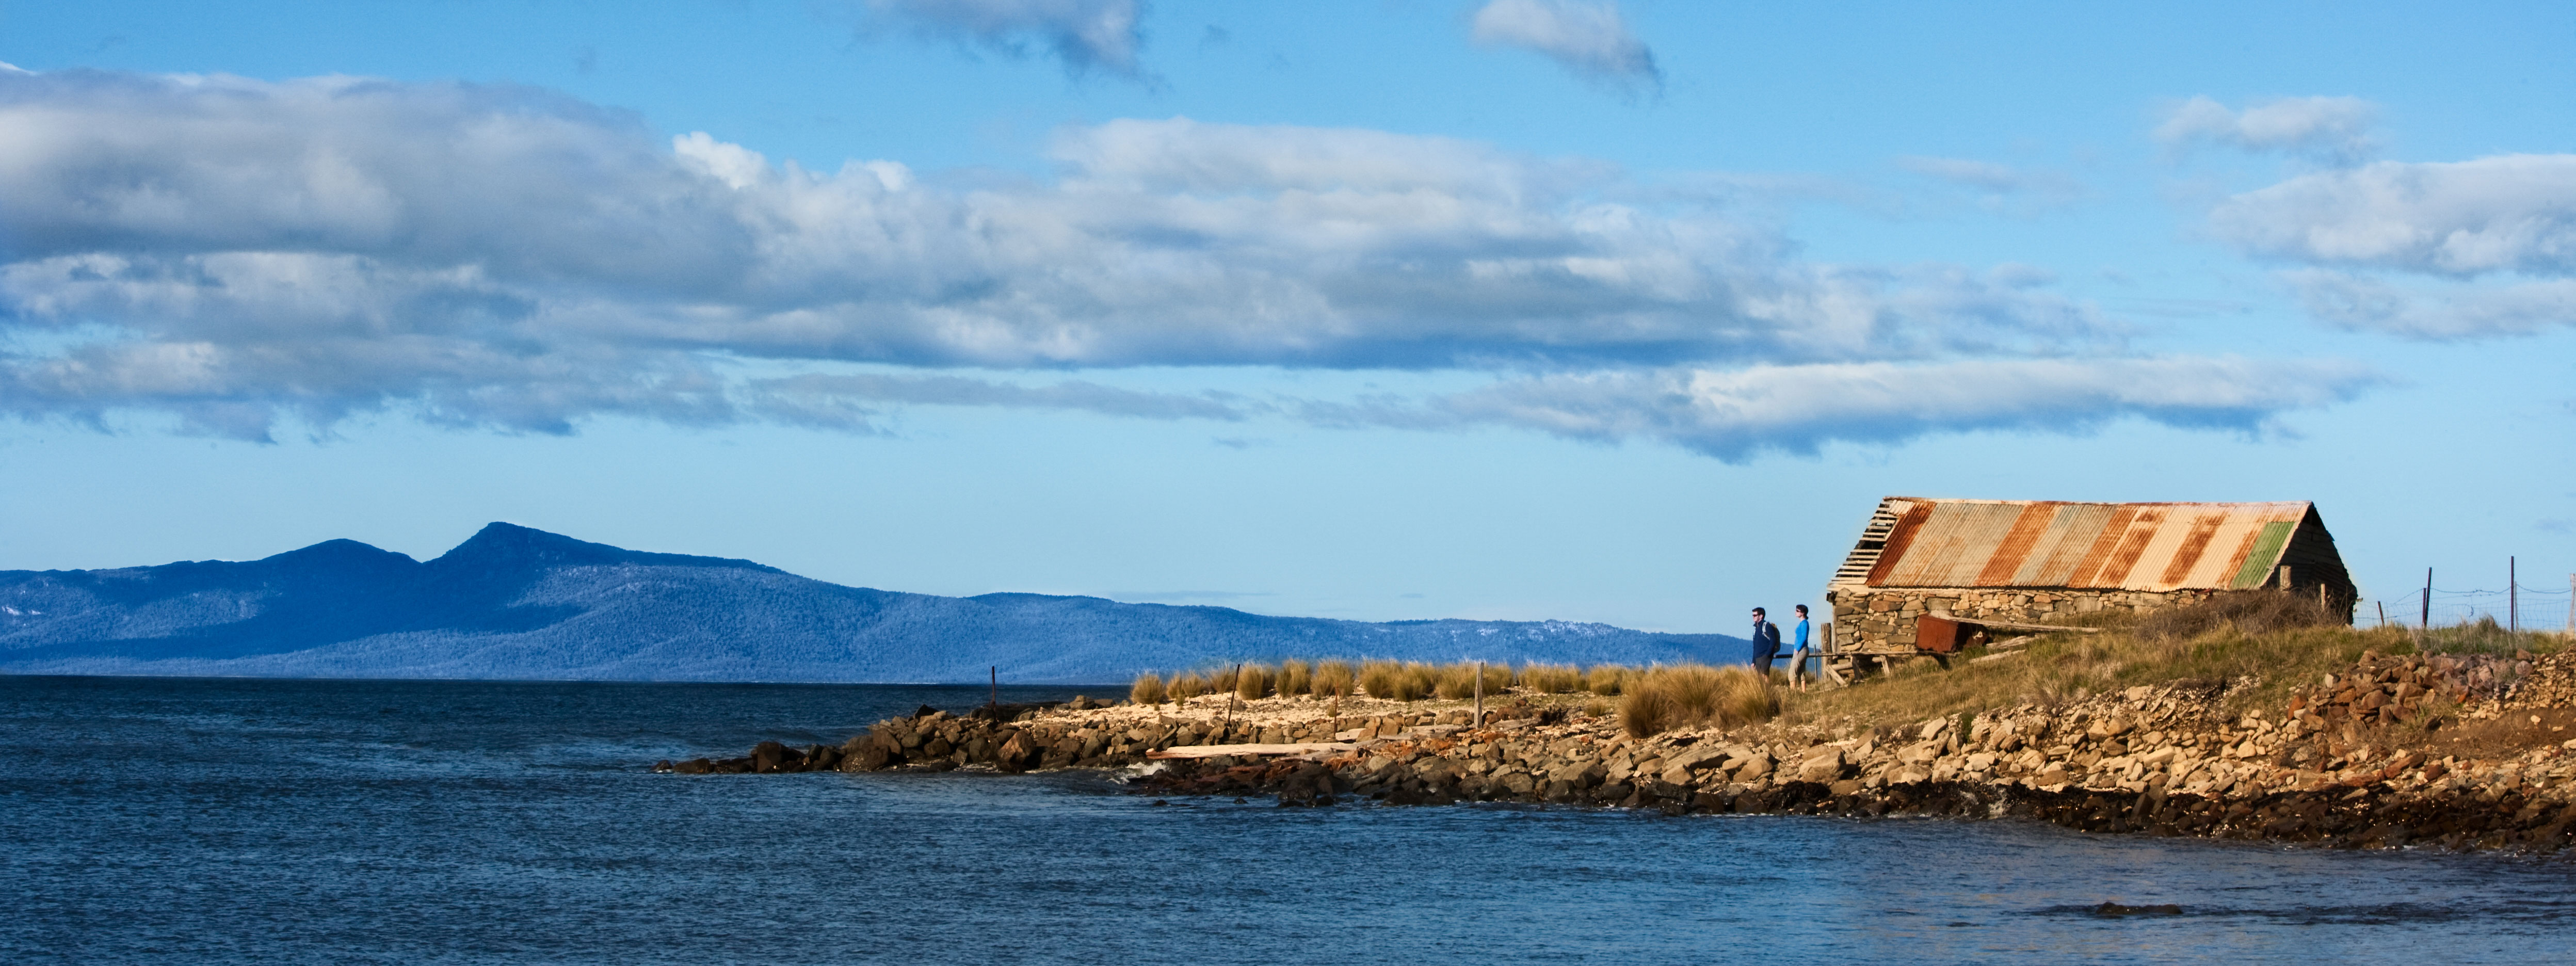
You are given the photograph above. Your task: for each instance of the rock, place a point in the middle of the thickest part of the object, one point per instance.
(1017, 754)
(771, 756)
(1825, 764)
(1704, 755)
(1755, 768)
(1579, 774)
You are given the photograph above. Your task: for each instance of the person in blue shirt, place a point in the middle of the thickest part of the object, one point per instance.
(1798, 657)
(1766, 643)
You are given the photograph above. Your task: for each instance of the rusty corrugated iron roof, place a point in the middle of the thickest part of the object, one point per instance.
(1914, 542)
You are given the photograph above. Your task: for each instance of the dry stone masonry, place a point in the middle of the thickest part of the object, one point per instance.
(1876, 620)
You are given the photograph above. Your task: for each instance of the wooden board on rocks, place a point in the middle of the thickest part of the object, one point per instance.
(1212, 751)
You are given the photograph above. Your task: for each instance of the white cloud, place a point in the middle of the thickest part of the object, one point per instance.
(1083, 34)
(2510, 213)
(2447, 311)
(2328, 127)
(1735, 415)
(236, 252)
(2435, 250)
(1587, 37)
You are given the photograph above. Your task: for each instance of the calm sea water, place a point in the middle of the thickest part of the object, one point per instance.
(192, 821)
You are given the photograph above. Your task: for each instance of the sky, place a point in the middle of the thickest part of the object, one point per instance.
(1507, 309)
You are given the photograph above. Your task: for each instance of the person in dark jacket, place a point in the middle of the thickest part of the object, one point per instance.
(1766, 643)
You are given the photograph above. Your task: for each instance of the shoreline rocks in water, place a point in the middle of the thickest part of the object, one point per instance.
(2397, 751)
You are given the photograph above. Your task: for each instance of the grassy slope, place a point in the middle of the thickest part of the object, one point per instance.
(2263, 666)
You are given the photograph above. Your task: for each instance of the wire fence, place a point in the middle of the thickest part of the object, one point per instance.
(2521, 607)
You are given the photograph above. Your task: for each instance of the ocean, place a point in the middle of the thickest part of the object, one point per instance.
(161, 820)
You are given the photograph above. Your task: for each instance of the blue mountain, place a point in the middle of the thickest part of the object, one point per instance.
(521, 604)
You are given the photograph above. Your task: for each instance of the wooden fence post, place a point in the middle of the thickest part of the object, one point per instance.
(1480, 695)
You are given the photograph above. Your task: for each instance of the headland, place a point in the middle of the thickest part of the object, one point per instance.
(2469, 751)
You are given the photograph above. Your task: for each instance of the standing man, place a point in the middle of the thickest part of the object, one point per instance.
(1766, 644)
(1798, 658)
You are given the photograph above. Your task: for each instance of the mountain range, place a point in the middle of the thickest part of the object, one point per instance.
(514, 603)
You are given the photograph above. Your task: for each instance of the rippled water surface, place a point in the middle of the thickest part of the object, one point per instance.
(187, 821)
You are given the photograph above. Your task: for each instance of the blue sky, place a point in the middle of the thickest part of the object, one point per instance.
(1511, 309)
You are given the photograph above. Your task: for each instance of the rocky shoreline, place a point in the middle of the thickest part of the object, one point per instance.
(2451, 752)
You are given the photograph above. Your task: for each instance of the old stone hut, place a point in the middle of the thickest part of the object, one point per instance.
(1928, 574)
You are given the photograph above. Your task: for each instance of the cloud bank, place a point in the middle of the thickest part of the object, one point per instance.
(1736, 415)
(1586, 37)
(2486, 247)
(237, 252)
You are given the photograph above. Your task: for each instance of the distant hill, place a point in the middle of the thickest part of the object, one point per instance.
(516, 603)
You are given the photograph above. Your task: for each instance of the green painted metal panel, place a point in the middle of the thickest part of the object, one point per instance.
(2258, 561)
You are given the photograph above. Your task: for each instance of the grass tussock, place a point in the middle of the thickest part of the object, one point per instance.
(1696, 696)
(1606, 680)
(1411, 681)
(1335, 679)
(1457, 682)
(1295, 677)
(1186, 685)
(1552, 678)
(1252, 682)
(1148, 689)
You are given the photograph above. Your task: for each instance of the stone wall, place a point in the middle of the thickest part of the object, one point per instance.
(1879, 619)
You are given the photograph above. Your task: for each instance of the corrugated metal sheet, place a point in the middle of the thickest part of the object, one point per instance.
(1914, 542)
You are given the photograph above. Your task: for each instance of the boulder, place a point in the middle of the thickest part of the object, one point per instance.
(1824, 764)
(771, 756)
(1017, 754)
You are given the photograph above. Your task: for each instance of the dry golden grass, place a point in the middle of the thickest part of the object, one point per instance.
(2247, 611)
(1252, 682)
(1457, 682)
(1295, 678)
(1606, 679)
(1696, 695)
(1412, 681)
(1646, 712)
(1334, 679)
(1185, 686)
(1552, 678)
(1148, 689)
(2281, 650)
